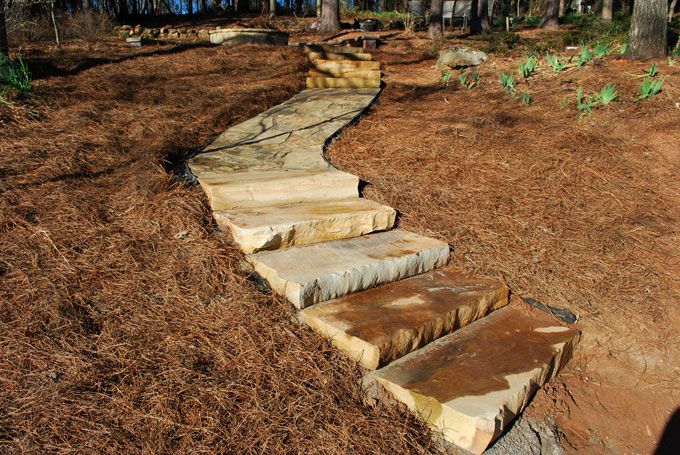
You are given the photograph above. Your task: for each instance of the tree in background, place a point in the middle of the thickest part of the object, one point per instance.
(551, 13)
(479, 17)
(647, 36)
(330, 16)
(436, 13)
(4, 45)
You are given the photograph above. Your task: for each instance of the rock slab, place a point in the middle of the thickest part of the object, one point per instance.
(315, 273)
(273, 227)
(379, 325)
(471, 384)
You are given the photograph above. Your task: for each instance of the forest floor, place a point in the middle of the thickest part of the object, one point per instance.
(128, 324)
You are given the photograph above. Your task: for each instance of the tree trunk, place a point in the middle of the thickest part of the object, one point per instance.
(550, 14)
(647, 37)
(272, 7)
(4, 44)
(436, 12)
(563, 7)
(671, 10)
(330, 16)
(318, 8)
(607, 10)
(479, 17)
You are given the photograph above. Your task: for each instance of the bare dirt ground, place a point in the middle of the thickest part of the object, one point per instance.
(126, 324)
(575, 213)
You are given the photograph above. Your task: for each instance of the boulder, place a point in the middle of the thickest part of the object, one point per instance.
(459, 57)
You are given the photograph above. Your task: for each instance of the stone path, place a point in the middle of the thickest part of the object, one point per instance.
(446, 345)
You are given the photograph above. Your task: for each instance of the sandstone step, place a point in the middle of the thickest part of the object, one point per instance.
(469, 385)
(345, 73)
(333, 48)
(382, 324)
(254, 189)
(362, 56)
(315, 273)
(349, 64)
(343, 82)
(273, 227)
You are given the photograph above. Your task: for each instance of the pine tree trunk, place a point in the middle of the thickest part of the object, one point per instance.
(4, 44)
(330, 16)
(647, 37)
(671, 10)
(550, 14)
(607, 10)
(436, 12)
(272, 7)
(479, 17)
(563, 8)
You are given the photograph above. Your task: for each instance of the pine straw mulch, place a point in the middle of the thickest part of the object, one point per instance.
(575, 213)
(124, 323)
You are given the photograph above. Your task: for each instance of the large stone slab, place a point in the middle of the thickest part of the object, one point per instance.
(231, 36)
(350, 64)
(342, 82)
(332, 48)
(273, 227)
(370, 74)
(315, 273)
(364, 56)
(379, 325)
(471, 384)
(254, 189)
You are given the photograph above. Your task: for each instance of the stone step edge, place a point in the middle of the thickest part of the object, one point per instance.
(321, 228)
(372, 357)
(343, 82)
(362, 56)
(358, 64)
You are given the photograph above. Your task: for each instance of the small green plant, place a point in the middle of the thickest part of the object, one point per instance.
(650, 87)
(671, 61)
(468, 80)
(652, 70)
(527, 68)
(584, 104)
(554, 62)
(564, 102)
(585, 57)
(525, 97)
(15, 75)
(623, 48)
(508, 83)
(607, 94)
(446, 78)
(601, 50)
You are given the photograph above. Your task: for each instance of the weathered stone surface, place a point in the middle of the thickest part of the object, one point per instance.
(269, 228)
(349, 64)
(331, 48)
(290, 136)
(459, 57)
(362, 56)
(471, 384)
(315, 273)
(252, 189)
(230, 36)
(382, 324)
(334, 72)
(343, 82)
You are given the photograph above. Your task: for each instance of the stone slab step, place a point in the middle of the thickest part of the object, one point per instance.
(273, 227)
(363, 56)
(379, 325)
(333, 49)
(343, 82)
(349, 64)
(375, 74)
(315, 273)
(254, 189)
(471, 384)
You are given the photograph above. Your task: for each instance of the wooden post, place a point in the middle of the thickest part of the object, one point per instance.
(507, 23)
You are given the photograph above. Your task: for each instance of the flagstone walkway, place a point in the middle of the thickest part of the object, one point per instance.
(446, 345)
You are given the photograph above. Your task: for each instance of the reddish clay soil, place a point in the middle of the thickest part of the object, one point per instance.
(576, 213)
(126, 324)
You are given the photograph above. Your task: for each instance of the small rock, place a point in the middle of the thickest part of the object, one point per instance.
(459, 57)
